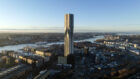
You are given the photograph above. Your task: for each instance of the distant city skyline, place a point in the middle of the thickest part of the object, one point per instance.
(90, 15)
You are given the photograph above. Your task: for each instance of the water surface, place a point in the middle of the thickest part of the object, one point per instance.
(43, 44)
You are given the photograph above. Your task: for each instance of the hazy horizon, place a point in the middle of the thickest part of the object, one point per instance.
(58, 31)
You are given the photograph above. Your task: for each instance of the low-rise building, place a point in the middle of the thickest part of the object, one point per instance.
(32, 60)
(135, 45)
(135, 51)
(62, 60)
(43, 53)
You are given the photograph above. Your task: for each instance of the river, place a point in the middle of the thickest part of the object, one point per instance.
(38, 44)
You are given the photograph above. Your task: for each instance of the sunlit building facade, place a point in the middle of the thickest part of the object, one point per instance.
(68, 39)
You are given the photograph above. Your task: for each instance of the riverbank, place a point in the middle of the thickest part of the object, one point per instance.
(31, 38)
(20, 46)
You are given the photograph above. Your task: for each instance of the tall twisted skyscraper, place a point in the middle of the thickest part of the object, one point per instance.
(68, 39)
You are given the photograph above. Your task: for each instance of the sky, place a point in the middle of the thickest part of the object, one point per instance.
(89, 15)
